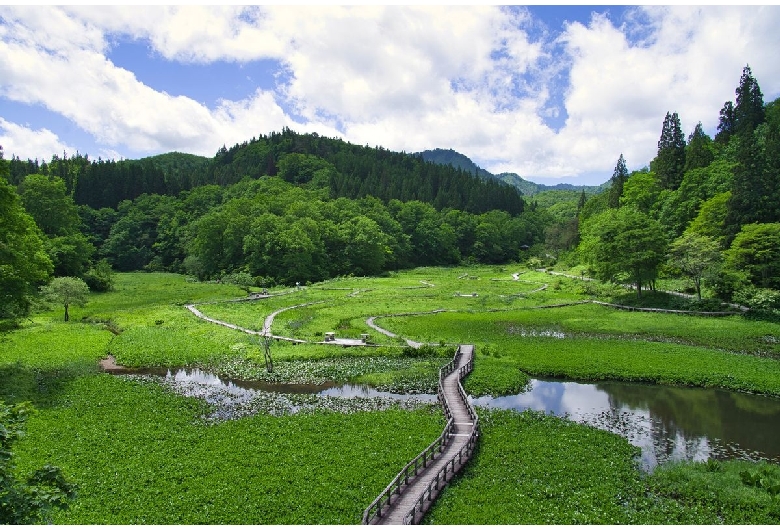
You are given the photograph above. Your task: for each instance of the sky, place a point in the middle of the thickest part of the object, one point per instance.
(554, 93)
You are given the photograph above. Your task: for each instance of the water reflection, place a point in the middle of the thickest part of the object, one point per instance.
(666, 423)
(199, 377)
(365, 391)
(230, 399)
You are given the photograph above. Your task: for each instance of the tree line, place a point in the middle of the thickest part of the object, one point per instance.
(308, 222)
(706, 209)
(290, 207)
(347, 170)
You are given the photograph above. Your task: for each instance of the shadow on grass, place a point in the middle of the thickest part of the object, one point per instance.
(42, 387)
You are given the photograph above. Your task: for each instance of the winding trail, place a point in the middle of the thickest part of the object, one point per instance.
(267, 323)
(406, 499)
(413, 344)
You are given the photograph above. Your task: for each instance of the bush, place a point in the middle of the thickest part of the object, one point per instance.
(31, 500)
(100, 278)
(727, 283)
(426, 351)
(764, 304)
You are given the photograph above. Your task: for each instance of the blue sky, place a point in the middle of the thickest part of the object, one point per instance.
(553, 93)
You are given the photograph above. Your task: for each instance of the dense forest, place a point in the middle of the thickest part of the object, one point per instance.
(289, 207)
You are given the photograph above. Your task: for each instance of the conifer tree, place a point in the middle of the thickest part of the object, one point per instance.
(725, 123)
(698, 153)
(750, 202)
(669, 164)
(749, 110)
(619, 177)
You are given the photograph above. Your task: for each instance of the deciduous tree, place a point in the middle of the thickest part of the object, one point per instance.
(66, 291)
(624, 244)
(694, 256)
(23, 259)
(756, 250)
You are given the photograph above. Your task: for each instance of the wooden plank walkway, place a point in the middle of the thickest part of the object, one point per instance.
(415, 488)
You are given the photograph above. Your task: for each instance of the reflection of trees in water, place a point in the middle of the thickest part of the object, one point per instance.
(686, 421)
(672, 444)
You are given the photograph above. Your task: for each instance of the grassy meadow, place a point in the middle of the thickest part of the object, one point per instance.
(142, 454)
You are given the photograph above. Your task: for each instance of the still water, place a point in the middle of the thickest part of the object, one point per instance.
(666, 423)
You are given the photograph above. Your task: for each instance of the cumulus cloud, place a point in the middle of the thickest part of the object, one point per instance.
(35, 144)
(478, 79)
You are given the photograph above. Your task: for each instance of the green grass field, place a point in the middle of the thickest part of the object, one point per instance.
(141, 454)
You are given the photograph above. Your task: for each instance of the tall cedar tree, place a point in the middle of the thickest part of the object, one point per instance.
(725, 123)
(619, 177)
(698, 153)
(749, 111)
(669, 164)
(752, 188)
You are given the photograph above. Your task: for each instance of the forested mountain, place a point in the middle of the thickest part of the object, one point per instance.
(348, 170)
(527, 188)
(281, 208)
(450, 157)
(291, 207)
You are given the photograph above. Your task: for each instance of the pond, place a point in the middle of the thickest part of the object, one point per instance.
(666, 423)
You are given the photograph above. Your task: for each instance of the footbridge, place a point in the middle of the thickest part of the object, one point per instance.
(411, 493)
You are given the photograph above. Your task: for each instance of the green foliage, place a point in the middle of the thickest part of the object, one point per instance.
(46, 199)
(763, 303)
(710, 494)
(243, 280)
(23, 260)
(749, 108)
(640, 191)
(699, 152)
(710, 221)
(590, 342)
(726, 123)
(300, 168)
(66, 291)
(669, 164)
(498, 375)
(31, 500)
(756, 250)
(152, 460)
(618, 180)
(677, 208)
(577, 475)
(695, 256)
(55, 213)
(100, 278)
(756, 184)
(623, 242)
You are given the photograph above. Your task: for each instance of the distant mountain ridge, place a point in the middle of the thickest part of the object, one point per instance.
(461, 161)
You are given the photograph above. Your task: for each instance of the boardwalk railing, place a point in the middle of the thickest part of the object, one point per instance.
(430, 453)
(441, 479)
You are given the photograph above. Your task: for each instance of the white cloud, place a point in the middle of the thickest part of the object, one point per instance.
(41, 143)
(469, 78)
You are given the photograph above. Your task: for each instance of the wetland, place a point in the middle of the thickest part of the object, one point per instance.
(608, 417)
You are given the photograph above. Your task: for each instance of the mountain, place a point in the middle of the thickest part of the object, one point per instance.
(449, 157)
(527, 188)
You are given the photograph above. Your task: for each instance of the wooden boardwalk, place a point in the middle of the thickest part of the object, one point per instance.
(415, 488)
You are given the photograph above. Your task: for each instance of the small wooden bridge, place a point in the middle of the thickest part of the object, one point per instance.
(412, 492)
